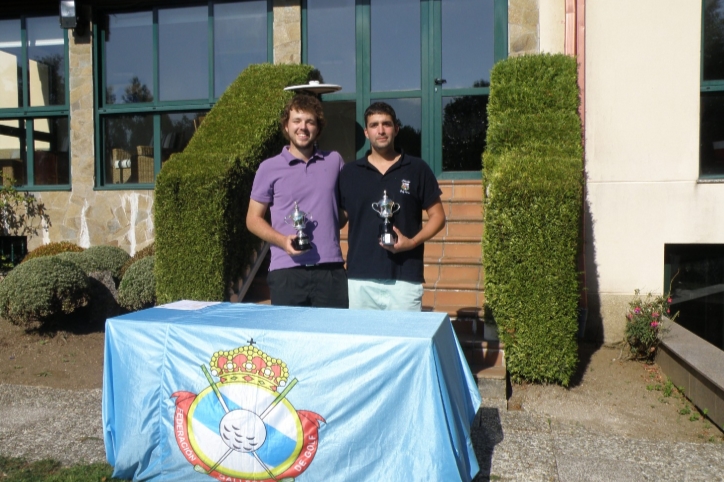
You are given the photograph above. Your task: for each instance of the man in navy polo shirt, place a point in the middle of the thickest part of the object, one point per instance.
(303, 174)
(388, 277)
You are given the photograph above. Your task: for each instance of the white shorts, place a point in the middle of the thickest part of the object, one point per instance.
(383, 294)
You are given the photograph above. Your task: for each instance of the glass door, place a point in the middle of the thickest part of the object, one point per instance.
(429, 59)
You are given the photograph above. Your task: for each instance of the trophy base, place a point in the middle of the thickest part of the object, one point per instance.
(388, 237)
(301, 244)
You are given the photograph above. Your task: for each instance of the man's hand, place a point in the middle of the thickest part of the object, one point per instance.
(258, 225)
(403, 243)
(435, 222)
(289, 248)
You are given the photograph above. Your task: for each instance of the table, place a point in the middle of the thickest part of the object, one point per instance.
(237, 392)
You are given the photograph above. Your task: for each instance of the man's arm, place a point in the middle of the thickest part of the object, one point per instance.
(258, 225)
(435, 222)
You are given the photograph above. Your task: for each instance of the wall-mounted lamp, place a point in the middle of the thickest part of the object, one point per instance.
(72, 16)
(68, 15)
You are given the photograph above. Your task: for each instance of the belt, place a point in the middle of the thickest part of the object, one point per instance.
(320, 266)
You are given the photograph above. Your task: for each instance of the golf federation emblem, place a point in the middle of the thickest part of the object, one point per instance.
(243, 427)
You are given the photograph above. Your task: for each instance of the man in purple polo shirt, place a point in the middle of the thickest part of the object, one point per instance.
(304, 175)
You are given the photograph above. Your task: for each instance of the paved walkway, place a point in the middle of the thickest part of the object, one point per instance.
(38, 423)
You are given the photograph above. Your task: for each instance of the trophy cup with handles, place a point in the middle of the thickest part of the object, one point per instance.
(299, 219)
(386, 208)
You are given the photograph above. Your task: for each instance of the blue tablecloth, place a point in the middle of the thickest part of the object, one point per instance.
(243, 392)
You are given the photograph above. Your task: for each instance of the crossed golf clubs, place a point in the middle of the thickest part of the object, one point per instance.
(241, 448)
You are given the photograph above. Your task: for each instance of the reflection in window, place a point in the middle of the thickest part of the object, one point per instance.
(176, 131)
(395, 45)
(128, 149)
(12, 151)
(51, 164)
(341, 132)
(711, 132)
(46, 61)
(239, 40)
(464, 126)
(331, 41)
(11, 93)
(697, 289)
(183, 53)
(713, 48)
(467, 42)
(129, 58)
(409, 115)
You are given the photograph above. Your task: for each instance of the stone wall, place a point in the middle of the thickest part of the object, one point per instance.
(83, 215)
(523, 27)
(287, 32)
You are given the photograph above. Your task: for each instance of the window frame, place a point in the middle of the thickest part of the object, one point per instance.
(706, 87)
(30, 114)
(431, 46)
(157, 107)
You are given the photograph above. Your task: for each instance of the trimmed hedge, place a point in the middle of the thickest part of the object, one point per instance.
(533, 175)
(52, 249)
(138, 286)
(99, 258)
(147, 251)
(202, 193)
(41, 289)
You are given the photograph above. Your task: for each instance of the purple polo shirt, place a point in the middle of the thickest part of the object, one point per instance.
(283, 179)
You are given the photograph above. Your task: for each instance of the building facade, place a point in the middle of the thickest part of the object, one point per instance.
(89, 116)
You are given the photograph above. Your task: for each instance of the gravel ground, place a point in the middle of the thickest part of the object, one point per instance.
(38, 423)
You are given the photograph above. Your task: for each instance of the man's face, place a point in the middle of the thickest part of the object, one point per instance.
(381, 131)
(302, 129)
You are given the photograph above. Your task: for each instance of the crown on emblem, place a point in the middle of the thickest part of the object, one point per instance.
(248, 364)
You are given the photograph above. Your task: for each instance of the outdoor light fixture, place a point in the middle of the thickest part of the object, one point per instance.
(315, 87)
(68, 14)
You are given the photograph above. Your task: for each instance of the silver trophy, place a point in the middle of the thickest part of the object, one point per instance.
(299, 219)
(386, 208)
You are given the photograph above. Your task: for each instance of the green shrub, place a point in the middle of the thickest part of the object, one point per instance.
(147, 251)
(533, 174)
(138, 286)
(52, 249)
(99, 258)
(41, 289)
(202, 194)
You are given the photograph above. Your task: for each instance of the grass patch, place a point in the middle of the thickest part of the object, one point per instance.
(14, 469)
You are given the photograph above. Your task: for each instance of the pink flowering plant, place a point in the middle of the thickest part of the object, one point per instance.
(644, 329)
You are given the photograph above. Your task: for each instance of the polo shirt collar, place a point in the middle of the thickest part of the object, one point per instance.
(289, 157)
(402, 161)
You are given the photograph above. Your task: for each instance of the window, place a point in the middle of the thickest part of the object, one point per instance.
(161, 70)
(695, 273)
(34, 129)
(711, 133)
(429, 59)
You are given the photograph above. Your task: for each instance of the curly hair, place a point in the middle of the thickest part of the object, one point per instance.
(303, 103)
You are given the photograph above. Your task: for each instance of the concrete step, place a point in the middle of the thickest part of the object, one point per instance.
(492, 381)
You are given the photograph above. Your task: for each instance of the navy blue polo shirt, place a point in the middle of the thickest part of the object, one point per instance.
(409, 182)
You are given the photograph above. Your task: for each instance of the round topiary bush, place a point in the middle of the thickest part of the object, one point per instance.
(100, 258)
(41, 289)
(51, 249)
(149, 250)
(138, 286)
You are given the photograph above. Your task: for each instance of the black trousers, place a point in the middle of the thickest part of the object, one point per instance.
(322, 286)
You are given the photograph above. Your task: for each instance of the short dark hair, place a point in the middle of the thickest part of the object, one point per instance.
(303, 103)
(381, 108)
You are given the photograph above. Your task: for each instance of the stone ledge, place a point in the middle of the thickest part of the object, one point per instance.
(698, 366)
